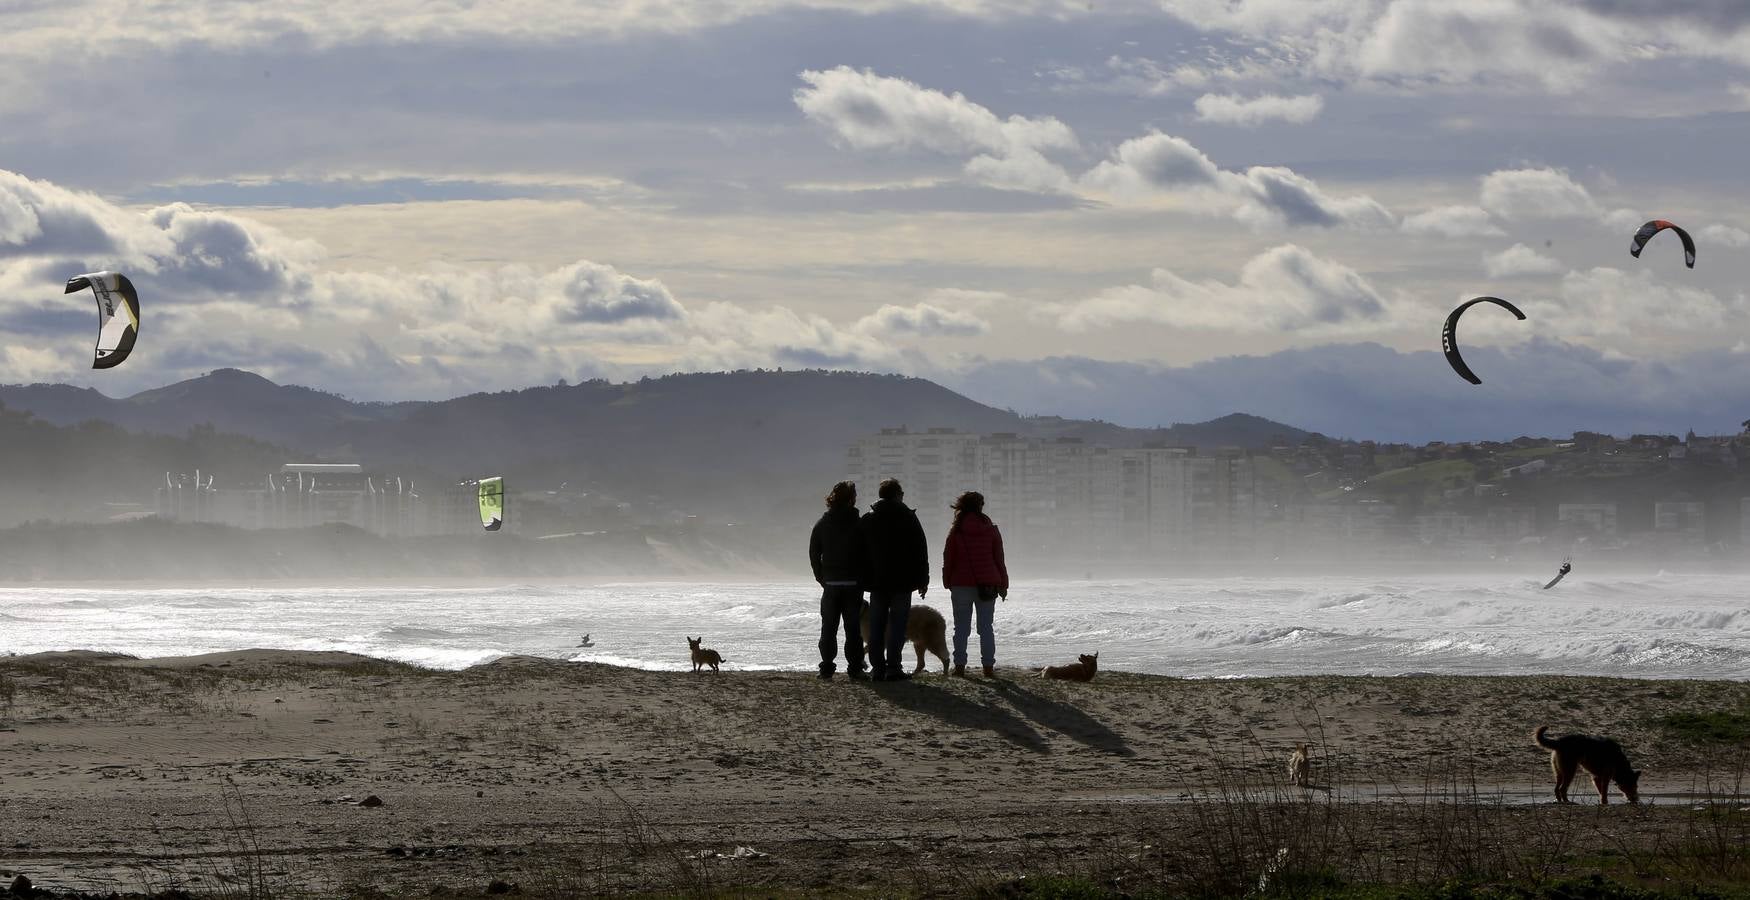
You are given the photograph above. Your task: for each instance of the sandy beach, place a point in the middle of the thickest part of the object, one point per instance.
(260, 768)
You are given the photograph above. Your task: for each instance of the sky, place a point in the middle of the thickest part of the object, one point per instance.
(1146, 212)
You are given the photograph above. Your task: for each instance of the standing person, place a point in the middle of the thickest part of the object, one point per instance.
(898, 563)
(835, 551)
(975, 575)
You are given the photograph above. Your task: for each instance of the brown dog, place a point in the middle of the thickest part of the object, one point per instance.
(925, 629)
(1602, 757)
(703, 657)
(1083, 669)
(1300, 766)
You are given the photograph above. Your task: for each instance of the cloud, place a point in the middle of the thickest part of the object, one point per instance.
(1228, 109)
(1519, 260)
(1504, 45)
(224, 290)
(1536, 194)
(38, 218)
(1485, 40)
(1604, 302)
(1453, 221)
(1160, 164)
(1284, 288)
(875, 112)
(106, 25)
(598, 294)
(1724, 235)
(921, 320)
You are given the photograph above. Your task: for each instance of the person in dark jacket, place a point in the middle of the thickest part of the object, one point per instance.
(835, 551)
(975, 575)
(898, 562)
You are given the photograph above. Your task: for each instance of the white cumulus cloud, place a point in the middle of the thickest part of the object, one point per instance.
(1160, 164)
(1519, 260)
(922, 320)
(1285, 287)
(1536, 194)
(1228, 109)
(1453, 221)
(875, 112)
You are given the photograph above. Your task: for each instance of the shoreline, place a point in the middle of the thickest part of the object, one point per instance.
(275, 656)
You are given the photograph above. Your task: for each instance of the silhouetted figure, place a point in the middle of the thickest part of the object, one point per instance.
(835, 551)
(898, 563)
(975, 574)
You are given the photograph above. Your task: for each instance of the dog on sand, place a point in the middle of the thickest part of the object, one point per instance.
(1083, 669)
(925, 629)
(1603, 758)
(1299, 766)
(702, 656)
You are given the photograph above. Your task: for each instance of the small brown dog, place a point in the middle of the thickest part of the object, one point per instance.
(1602, 757)
(703, 657)
(1083, 669)
(925, 629)
(1300, 766)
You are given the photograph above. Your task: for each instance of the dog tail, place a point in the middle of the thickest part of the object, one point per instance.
(1542, 741)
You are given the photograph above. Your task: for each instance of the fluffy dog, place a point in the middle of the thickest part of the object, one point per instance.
(925, 629)
(1603, 758)
(703, 657)
(1083, 669)
(1299, 766)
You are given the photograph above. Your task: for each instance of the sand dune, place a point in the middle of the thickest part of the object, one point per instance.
(130, 774)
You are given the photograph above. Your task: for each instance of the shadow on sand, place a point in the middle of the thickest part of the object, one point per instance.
(1062, 718)
(932, 700)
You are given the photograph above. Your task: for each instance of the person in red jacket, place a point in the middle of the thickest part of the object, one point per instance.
(975, 575)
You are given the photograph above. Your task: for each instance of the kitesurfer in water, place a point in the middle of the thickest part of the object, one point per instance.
(1567, 566)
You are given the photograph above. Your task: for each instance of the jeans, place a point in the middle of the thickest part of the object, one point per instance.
(841, 605)
(966, 602)
(888, 612)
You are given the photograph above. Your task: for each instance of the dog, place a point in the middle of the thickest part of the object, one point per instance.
(1083, 669)
(703, 657)
(925, 629)
(1299, 766)
(1602, 757)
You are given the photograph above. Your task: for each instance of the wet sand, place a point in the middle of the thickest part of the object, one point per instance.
(237, 768)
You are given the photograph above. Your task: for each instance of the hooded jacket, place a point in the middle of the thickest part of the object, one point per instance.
(973, 556)
(835, 548)
(898, 555)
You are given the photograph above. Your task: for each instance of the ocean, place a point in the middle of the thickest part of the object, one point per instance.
(1658, 626)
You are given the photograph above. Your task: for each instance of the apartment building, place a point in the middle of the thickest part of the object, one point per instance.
(1067, 496)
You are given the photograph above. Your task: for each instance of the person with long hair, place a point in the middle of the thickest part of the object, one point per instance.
(836, 553)
(975, 574)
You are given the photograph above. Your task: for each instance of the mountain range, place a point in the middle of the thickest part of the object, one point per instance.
(731, 437)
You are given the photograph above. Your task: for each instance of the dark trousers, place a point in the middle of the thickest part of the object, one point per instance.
(841, 605)
(888, 612)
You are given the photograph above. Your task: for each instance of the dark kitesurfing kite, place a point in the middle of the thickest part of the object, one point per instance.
(1449, 335)
(1567, 566)
(1646, 233)
(492, 503)
(118, 315)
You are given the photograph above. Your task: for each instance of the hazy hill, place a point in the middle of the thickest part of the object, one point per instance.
(96, 470)
(732, 437)
(231, 400)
